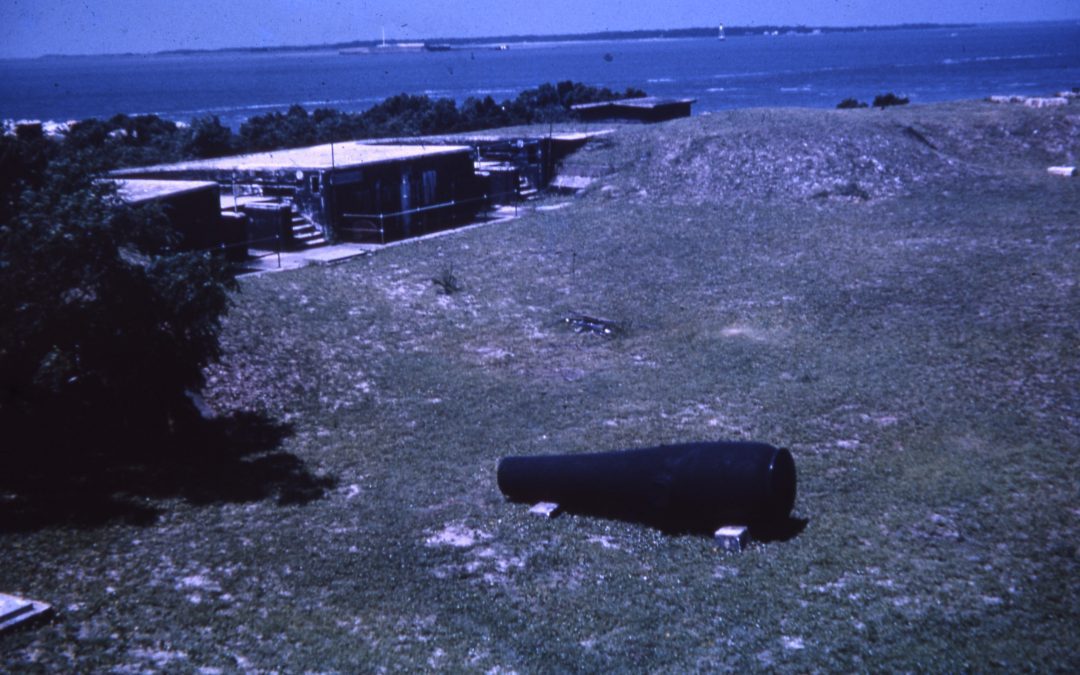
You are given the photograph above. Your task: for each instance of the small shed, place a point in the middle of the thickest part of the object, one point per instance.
(192, 208)
(646, 109)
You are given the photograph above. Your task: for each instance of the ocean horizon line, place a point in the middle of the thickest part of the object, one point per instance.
(525, 39)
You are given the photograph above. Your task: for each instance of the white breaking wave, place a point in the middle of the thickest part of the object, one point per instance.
(989, 59)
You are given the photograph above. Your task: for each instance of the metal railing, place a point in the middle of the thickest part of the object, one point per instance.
(381, 217)
(247, 244)
(275, 251)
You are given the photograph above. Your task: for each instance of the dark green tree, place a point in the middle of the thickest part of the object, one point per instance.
(22, 165)
(335, 125)
(410, 115)
(272, 131)
(207, 137)
(485, 113)
(890, 99)
(850, 104)
(401, 115)
(124, 140)
(104, 322)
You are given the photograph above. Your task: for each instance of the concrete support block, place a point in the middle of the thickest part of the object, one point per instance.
(545, 509)
(732, 537)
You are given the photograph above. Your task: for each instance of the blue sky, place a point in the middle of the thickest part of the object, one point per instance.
(35, 27)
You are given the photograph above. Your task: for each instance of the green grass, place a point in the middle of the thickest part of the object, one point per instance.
(917, 351)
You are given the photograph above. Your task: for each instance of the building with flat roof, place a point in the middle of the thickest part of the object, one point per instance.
(350, 190)
(141, 191)
(645, 109)
(192, 209)
(512, 165)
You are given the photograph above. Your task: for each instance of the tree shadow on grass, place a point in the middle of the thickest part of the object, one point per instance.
(58, 477)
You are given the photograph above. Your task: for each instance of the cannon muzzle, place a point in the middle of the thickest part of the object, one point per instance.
(693, 487)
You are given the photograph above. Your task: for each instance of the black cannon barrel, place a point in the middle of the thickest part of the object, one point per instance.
(687, 487)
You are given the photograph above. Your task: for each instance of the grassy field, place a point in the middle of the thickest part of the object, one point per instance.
(890, 294)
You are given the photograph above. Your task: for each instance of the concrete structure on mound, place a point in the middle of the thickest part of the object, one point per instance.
(646, 109)
(371, 191)
(340, 191)
(513, 167)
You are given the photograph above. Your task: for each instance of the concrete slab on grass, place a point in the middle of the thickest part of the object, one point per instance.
(268, 261)
(15, 611)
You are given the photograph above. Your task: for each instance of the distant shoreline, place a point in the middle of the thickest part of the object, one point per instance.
(783, 71)
(479, 42)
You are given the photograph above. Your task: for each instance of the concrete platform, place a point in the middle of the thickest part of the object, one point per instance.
(16, 611)
(271, 261)
(268, 261)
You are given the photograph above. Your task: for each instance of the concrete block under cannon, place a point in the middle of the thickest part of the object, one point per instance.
(693, 487)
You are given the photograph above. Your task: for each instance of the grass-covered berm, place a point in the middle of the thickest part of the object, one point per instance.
(893, 295)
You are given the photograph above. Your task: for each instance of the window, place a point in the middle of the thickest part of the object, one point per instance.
(429, 186)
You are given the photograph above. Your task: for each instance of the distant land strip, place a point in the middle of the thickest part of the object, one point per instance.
(648, 34)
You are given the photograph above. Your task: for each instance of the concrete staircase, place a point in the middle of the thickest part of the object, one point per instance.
(304, 233)
(526, 190)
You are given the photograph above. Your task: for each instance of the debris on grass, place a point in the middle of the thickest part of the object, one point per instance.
(583, 323)
(851, 189)
(447, 282)
(456, 535)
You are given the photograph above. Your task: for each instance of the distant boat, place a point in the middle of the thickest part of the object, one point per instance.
(720, 35)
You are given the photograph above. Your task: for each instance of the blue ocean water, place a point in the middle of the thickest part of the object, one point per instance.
(783, 70)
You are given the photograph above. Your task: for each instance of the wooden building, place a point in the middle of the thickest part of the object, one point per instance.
(512, 167)
(343, 191)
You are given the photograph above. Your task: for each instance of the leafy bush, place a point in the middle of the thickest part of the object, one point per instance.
(125, 140)
(850, 104)
(104, 323)
(553, 103)
(890, 99)
(409, 115)
(207, 137)
(140, 140)
(293, 128)
(447, 282)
